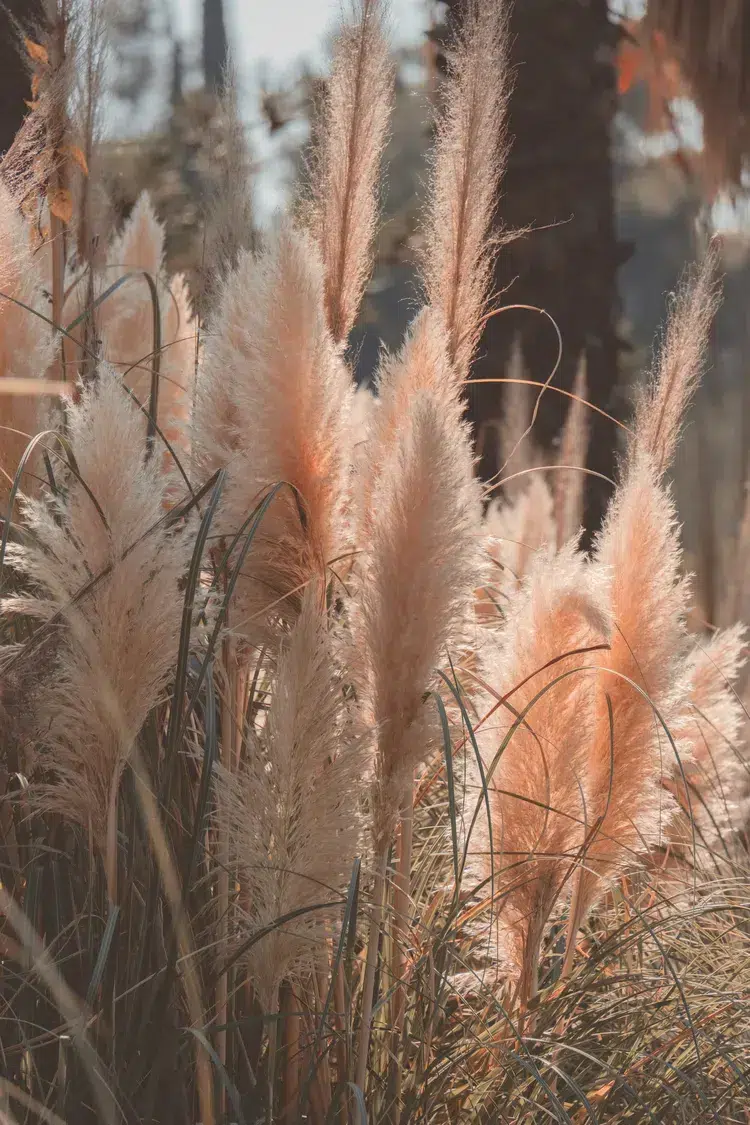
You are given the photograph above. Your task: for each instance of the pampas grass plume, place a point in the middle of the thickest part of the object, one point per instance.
(424, 563)
(120, 638)
(291, 812)
(538, 788)
(346, 163)
(715, 770)
(661, 406)
(273, 400)
(468, 161)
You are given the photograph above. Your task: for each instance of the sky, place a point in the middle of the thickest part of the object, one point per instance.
(283, 31)
(272, 38)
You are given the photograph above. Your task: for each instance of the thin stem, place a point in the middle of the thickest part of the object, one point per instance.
(368, 989)
(293, 1036)
(401, 906)
(229, 723)
(273, 1035)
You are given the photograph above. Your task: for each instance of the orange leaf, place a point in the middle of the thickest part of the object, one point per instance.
(61, 204)
(75, 153)
(601, 1092)
(35, 84)
(629, 66)
(32, 105)
(37, 52)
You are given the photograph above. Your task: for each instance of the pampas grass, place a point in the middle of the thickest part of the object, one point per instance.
(103, 567)
(423, 565)
(468, 161)
(631, 748)
(291, 810)
(376, 746)
(346, 164)
(145, 324)
(272, 403)
(534, 756)
(712, 789)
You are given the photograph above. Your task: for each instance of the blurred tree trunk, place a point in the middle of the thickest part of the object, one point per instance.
(215, 46)
(15, 88)
(559, 178)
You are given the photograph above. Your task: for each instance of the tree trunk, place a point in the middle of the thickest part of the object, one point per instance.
(215, 47)
(15, 84)
(559, 181)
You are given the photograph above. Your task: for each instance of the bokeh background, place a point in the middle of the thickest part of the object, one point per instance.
(630, 125)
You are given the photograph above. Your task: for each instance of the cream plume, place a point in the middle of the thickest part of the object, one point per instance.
(468, 161)
(518, 530)
(26, 341)
(347, 162)
(569, 486)
(713, 784)
(538, 790)
(639, 544)
(290, 813)
(120, 638)
(272, 406)
(518, 450)
(125, 323)
(421, 365)
(661, 406)
(639, 547)
(423, 564)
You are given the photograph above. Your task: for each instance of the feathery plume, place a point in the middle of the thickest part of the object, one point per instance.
(26, 341)
(468, 161)
(716, 773)
(641, 676)
(421, 365)
(364, 408)
(230, 226)
(120, 640)
(518, 451)
(347, 162)
(569, 486)
(424, 563)
(125, 323)
(518, 530)
(538, 787)
(273, 400)
(661, 406)
(177, 368)
(290, 813)
(639, 547)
